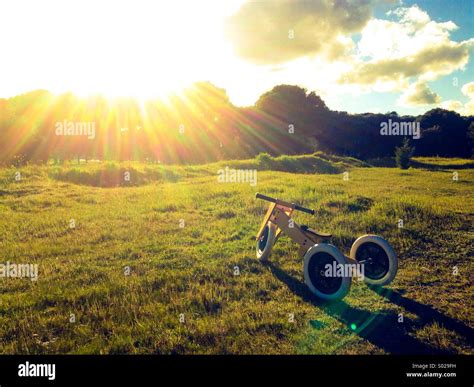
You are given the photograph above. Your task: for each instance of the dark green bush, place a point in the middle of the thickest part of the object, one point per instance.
(403, 154)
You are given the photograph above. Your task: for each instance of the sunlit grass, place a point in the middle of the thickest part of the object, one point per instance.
(190, 270)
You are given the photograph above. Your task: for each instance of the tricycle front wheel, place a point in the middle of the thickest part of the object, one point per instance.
(321, 275)
(266, 241)
(378, 257)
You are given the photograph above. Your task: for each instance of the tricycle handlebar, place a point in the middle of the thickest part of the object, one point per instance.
(295, 206)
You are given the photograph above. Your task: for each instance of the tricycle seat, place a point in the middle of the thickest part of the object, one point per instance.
(305, 228)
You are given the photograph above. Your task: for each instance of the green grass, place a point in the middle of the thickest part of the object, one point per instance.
(190, 270)
(112, 174)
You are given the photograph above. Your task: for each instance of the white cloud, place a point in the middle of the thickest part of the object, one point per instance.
(390, 53)
(419, 94)
(466, 109)
(453, 105)
(412, 15)
(277, 31)
(468, 89)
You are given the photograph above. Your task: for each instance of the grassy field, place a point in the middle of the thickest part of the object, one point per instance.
(165, 262)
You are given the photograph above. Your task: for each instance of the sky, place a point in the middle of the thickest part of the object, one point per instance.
(359, 56)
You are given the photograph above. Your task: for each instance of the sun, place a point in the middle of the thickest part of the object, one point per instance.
(144, 49)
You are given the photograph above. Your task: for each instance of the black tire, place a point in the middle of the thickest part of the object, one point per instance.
(265, 242)
(379, 259)
(324, 287)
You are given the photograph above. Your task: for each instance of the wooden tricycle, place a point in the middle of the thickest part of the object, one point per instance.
(327, 272)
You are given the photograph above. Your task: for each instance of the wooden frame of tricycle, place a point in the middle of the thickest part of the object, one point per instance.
(279, 213)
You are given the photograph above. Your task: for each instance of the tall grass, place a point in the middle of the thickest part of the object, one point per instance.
(114, 174)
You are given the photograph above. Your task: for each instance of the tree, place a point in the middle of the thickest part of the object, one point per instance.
(444, 133)
(403, 154)
(470, 136)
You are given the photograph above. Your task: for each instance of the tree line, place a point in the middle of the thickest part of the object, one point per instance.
(202, 125)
